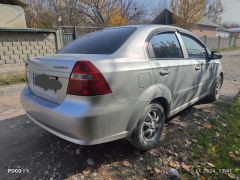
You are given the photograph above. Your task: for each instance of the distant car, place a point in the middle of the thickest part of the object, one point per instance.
(121, 82)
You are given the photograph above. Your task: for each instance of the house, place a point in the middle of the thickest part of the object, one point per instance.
(235, 32)
(12, 14)
(165, 17)
(204, 28)
(223, 32)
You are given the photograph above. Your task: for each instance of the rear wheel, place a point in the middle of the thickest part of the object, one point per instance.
(149, 127)
(215, 91)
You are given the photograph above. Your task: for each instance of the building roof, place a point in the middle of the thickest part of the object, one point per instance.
(165, 17)
(235, 30)
(223, 29)
(14, 2)
(207, 22)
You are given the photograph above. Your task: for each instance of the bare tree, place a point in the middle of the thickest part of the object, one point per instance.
(99, 12)
(38, 14)
(47, 13)
(214, 10)
(187, 12)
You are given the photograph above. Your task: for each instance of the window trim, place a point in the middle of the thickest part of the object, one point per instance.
(198, 41)
(150, 48)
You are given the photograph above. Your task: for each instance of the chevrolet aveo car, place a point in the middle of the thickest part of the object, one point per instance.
(121, 82)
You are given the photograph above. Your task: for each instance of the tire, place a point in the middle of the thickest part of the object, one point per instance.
(149, 128)
(215, 91)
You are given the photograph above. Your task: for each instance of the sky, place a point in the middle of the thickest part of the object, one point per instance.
(231, 9)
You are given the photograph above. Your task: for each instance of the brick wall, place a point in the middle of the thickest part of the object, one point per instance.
(16, 46)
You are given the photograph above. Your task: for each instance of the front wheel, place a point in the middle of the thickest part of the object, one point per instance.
(149, 127)
(215, 91)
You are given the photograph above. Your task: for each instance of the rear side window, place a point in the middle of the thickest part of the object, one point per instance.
(106, 41)
(165, 45)
(194, 48)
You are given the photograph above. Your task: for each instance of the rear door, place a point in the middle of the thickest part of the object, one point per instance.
(171, 67)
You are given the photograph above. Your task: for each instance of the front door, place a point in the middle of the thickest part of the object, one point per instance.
(203, 69)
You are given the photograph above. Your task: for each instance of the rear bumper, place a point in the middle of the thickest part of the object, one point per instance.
(78, 121)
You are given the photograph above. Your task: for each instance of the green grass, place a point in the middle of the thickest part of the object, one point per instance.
(12, 79)
(221, 143)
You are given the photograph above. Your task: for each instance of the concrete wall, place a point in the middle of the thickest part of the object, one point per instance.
(12, 16)
(238, 41)
(16, 46)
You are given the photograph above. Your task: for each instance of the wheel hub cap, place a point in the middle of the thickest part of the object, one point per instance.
(151, 124)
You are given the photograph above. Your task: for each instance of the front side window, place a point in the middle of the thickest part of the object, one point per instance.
(165, 45)
(194, 48)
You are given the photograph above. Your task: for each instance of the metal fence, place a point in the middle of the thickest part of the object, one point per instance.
(221, 42)
(70, 33)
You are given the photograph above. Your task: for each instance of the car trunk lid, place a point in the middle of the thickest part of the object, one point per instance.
(48, 76)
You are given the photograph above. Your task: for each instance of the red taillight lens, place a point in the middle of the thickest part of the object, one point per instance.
(86, 80)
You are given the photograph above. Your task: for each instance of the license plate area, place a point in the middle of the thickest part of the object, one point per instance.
(46, 82)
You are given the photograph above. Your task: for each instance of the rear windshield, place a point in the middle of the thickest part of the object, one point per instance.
(106, 41)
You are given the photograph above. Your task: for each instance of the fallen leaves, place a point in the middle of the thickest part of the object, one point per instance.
(223, 124)
(173, 164)
(231, 175)
(126, 164)
(210, 165)
(188, 142)
(85, 172)
(186, 167)
(194, 140)
(235, 155)
(169, 152)
(154, 152)
(207, 126)
(217, 134)
(157, 171)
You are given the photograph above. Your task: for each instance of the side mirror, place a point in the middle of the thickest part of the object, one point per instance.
(216, 55)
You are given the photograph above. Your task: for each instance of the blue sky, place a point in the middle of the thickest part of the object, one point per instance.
(231, 9)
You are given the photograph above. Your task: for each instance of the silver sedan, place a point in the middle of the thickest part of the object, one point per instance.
(121, 82)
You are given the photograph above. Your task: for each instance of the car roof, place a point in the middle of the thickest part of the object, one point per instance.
(143, 34)
(152, 27)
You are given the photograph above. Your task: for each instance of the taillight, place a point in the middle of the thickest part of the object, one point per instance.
(86, 80)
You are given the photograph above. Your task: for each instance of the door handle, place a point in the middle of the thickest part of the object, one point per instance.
(197, 68)
(164, 73)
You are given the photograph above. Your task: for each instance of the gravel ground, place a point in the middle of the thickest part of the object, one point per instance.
(10, 101)
(41, 155)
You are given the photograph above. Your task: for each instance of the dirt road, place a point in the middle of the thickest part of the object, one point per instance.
(29, 152)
